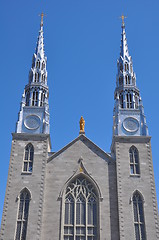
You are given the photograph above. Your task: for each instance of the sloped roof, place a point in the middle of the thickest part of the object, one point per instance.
(86, 141)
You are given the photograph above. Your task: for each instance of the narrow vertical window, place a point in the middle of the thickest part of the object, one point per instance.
(81, 211)
(139, 223)
(134, 161)
(35, 98)
(43, 66)
(28, 158)
(38, 64)
(136, 102)
(129, 100)
(22, 219)
(121, 101)
(27, 98)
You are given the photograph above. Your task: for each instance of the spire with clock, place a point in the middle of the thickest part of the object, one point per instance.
(128, 116)
(34, 110)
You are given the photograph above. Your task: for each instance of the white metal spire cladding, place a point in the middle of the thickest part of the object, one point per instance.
(129, 118)
(34, 112)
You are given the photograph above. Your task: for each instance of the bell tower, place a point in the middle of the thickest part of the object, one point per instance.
(34, 111)
(22, 212)
(131, 148)
(129, 118)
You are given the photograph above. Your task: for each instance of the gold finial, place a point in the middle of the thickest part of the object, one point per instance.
(82, 124)
(81, 169)
(123, 17)
(42, 16)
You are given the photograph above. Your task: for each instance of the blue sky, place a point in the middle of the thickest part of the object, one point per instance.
(82, 43)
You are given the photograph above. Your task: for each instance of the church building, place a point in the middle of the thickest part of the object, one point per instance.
(80, 192)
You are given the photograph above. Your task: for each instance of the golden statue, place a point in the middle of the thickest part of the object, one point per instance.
(82, 124)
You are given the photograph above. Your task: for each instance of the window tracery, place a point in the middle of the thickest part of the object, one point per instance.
(22, 219)
(81, 211)
(139, 222)
(28, 158)
(134, 161)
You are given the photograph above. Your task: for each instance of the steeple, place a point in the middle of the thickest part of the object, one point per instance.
(34, 111)
(128, 117)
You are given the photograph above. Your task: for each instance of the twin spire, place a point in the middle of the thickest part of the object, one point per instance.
(128, 109)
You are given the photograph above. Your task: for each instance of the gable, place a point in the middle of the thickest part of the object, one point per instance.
(80, 141)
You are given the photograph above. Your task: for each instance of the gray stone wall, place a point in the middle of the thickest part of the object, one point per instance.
(127, 184)
(18, 180)
(60, 168)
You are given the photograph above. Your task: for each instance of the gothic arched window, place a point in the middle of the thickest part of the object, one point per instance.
(38, 64)
(28, 158)
(35, 98)
(134, 161)
(136, 102)
(23, 212)
(127, 79)
(129, 100)
(81, 210)
(43, 65)
(27, 98)
(139, 222)
(43, 78)
(121, 101)
(42, 99)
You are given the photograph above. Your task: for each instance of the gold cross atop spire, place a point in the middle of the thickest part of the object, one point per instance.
(42, 16)
(123, 18)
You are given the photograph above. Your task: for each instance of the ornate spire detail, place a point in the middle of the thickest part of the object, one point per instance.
(127, 97)
(36, 92)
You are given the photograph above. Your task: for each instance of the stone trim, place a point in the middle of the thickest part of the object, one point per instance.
(9, 180)
(155, 210)
(41, 196)
(119, 193)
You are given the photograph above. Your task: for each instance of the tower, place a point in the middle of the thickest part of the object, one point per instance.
(34, 111)
(30, 147)
(131, 148)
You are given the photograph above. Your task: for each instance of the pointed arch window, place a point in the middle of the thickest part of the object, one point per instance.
(139, 222)
(38, 64)
(43, 78)
(134, 161)
(127, 79)
(126, 67)
(27, 98)
(22, 218)
(28, 158)
(81, 211)
(42, 99)
(36, 77)
(129, 100)
(43, 65)
(121, 101)
(136, 102)
(35, 98)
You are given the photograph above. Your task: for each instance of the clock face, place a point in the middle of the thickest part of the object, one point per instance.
(32, 122)
(131, 124)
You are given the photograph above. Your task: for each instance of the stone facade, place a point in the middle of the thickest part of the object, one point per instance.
(113, 195)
